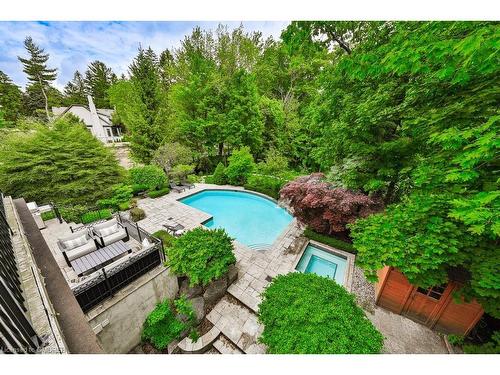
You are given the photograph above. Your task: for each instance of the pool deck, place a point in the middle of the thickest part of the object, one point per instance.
(238, 323)
(256, 268)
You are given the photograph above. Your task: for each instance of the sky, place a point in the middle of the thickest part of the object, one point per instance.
(73, 45)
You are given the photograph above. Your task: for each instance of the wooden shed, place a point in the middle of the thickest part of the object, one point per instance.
(433, 307)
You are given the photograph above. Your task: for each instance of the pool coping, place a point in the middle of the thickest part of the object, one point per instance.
(348, 277)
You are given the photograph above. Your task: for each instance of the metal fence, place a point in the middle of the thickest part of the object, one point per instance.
(16, 333)
(106, 282)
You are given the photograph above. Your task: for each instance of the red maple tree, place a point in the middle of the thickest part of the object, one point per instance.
(324, 208)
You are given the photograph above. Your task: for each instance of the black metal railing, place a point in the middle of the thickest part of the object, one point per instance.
(16, 333)
(106, 282)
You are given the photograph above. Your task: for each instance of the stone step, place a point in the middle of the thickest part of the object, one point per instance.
(225, 346)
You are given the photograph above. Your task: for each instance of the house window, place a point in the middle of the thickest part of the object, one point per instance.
(435, 292)
(109, 132)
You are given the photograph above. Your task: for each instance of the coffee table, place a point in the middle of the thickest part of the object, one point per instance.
(100, 258)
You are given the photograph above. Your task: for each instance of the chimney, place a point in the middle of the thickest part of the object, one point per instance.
(97, 128)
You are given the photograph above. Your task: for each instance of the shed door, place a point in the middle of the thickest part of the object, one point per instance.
(422, 303)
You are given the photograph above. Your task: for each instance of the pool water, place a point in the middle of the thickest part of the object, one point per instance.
(323, 263)
(249, 218)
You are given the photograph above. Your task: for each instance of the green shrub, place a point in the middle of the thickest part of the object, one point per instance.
(332, 241)
(165, 237)
(122, 194)
(241, 165)
(491, 347)
(265, 184)
(219, 176)
(162, 326)
(310, 314)
(137, 189)
(48, 215)
(150, 176)
(180, 171)
(158, 193)
(193, 179)
(137, 214)
(91, 216)
(456, 340)
(202, 255)
(274, 165)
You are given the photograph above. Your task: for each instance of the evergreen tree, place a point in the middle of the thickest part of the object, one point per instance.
(74, 91)
(39, 75)
(10, 100)
(63, 163)
(98, 80)
(141, 105)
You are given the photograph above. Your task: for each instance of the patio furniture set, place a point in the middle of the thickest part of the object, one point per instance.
(181, 187)
(94, 247)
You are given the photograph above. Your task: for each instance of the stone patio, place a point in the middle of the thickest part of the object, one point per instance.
(235, 315)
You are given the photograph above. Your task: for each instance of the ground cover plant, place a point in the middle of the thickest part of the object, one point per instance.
(202, 255)
(309, 314)
(168, 321)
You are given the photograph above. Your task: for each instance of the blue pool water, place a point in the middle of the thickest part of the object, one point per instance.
(323, 263)
(250, 219)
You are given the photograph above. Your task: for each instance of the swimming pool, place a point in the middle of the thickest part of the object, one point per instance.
(323, 263)
(249, 218)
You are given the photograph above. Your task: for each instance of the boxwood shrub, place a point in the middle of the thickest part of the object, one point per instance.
(310, 314)
(158, 193)
(202, 255)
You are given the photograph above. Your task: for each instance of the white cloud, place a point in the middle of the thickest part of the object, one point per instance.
(73, 45)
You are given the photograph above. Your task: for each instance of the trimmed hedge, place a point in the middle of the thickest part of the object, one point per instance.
(48, 215)
(332, 241)
(92, 216)
(268, 185)
(310, 314)
(158, 193)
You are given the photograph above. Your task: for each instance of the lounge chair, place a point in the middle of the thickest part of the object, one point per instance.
(76, 245)
(174, 227)
(177, 188)
(187, 184)
(109, 232)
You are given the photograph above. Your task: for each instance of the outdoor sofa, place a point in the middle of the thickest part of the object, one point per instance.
(109, 232)
(76, 245)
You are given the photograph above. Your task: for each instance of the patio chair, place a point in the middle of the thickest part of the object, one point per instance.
(187, 185)
(76, 245)
(110, 232)
(174, 227)
(176, 188)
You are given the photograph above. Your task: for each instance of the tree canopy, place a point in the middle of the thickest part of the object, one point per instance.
(62, 163)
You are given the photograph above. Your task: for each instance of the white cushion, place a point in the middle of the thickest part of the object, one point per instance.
(81, 251)
(75, 242)
(117, 236)
(109, 230)
(107, 224)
